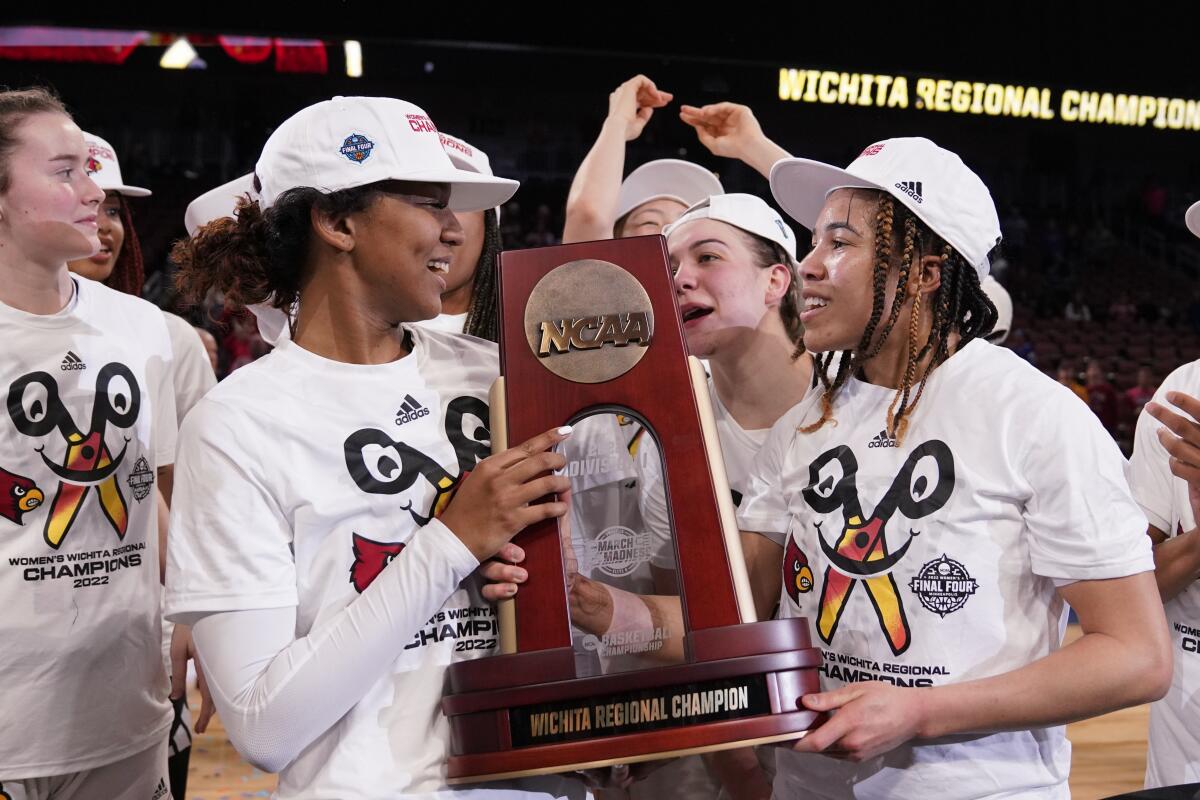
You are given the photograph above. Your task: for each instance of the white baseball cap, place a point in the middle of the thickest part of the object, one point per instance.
(103, 167)
(932, 182)
(744, 211)
(1192, 218)
(464, 155)
(666, 178)
(469, 157)
(1004, 309)
(354, 141)
(217, 203)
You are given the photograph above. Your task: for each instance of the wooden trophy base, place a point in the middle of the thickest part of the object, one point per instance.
(525, 714)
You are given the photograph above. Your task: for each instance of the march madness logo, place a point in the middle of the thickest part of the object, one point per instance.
(37, 410)
(379, 464)
(18, 496)
(861, 553)
(370, 557)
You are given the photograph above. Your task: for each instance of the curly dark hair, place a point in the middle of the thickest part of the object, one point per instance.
(256, 256)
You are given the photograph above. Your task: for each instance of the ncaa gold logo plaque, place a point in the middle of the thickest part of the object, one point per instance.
(588, 321)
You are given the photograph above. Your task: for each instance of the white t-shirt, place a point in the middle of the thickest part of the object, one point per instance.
(936, 561)
(1174, 755)
(738, 449)
(299, 480)
(192, 373)
(451, 323)
(90, 417)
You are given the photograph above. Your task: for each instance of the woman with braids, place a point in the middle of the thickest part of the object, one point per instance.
(323, 528)
(936, 526)
(85, 379)
(469, 302)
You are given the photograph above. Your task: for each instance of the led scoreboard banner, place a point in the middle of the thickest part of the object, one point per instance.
(989, 99)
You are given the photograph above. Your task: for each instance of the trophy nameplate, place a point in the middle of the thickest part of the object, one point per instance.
(592, 329)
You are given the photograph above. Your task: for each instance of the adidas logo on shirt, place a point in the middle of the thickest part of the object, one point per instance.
(410, 410)
(71, 361)
(161, 791)
(882, 440)
(912, 189)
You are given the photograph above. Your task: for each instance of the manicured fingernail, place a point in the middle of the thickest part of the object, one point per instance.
(510, 591)
(565, 430)
(520, 575)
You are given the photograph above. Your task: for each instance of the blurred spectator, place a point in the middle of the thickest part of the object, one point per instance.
(1021, 345)
(1077, 310)
(1016, 233)
(210, 346)
(1102, 396)
(1067, 377)
(542, 233)
(242, 344)
(1140, 394)
(1122, 311)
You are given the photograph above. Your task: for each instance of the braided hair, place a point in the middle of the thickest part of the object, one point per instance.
(959, 306)
(482, 315)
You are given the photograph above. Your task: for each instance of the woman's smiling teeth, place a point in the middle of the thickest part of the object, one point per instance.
(442, 267)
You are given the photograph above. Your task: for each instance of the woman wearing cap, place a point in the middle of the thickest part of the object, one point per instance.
(85, 692)
(118, 265)
(469, 302)
(1165, 474)
(734, 270)
(936, 525)
(602, 206)
(315, 545)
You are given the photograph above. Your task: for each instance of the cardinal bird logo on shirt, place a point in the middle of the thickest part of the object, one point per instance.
(370, 557)
(86, 463)
(797, 574)
(18, 495)
(861, 553)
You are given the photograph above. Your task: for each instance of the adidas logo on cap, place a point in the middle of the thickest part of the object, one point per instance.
(912, 189)
(410, 410)
(882, 440)
(71, 361)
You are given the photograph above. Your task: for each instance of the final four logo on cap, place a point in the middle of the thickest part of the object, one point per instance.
(357, 148)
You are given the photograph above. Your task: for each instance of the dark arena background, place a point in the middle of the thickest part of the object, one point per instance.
(1084, 125)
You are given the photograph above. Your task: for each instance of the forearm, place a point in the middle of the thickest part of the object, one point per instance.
(761, 154)
(1177, 563)
(592, 200)
(164, 519)
(599, 609)
(277, 693)
(1122, 659)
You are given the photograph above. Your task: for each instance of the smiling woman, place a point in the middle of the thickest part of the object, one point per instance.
(345, 450)
(83, 370)
(930, 478)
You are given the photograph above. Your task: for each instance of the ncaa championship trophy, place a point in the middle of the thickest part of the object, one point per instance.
(590, 336)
